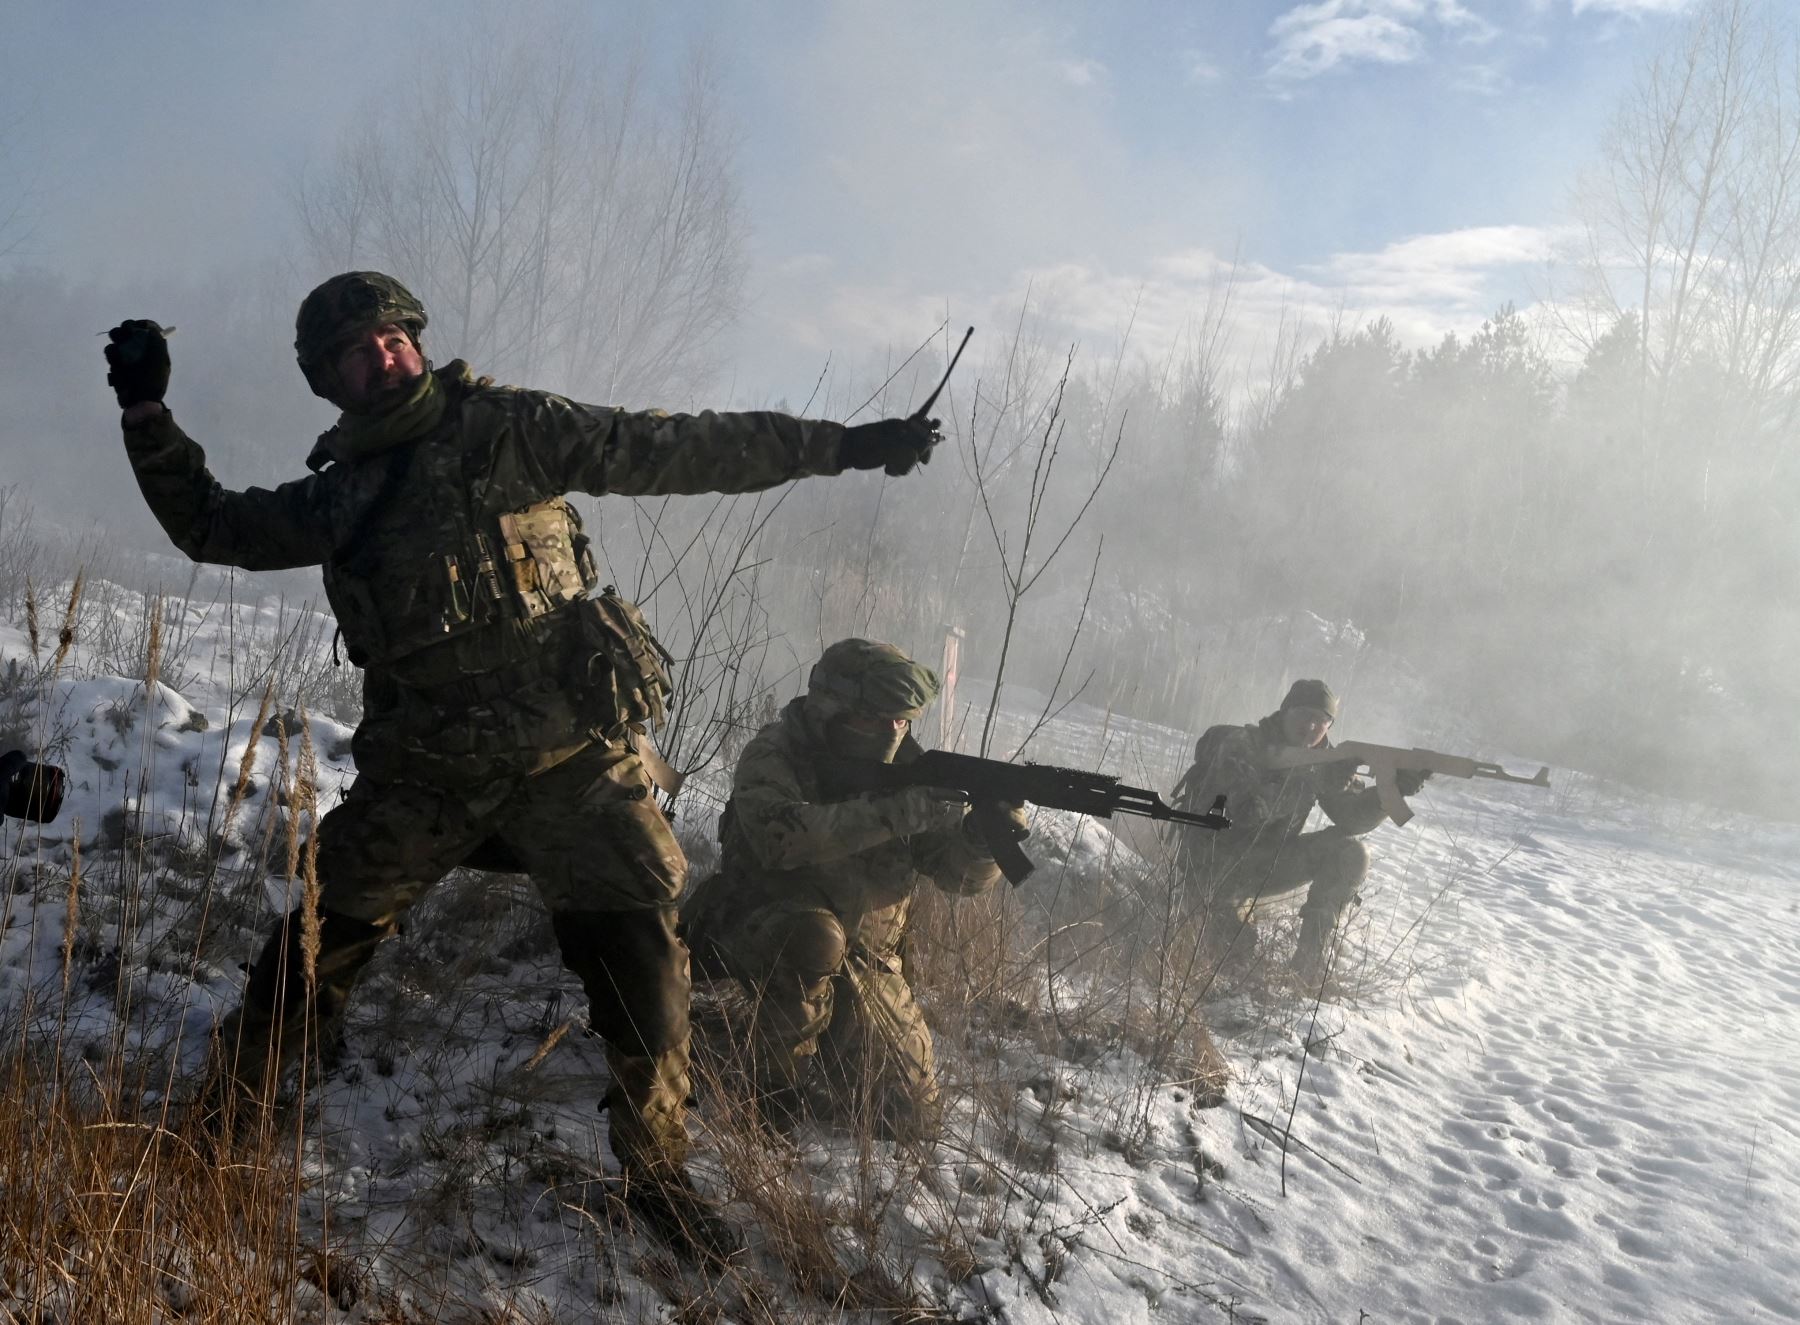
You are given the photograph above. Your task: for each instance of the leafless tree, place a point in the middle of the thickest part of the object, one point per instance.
(1691, 218)
(569, 220)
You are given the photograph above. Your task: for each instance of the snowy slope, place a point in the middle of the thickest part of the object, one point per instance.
(1564, 1089)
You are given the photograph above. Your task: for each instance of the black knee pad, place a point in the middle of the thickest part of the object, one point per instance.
(635, 972)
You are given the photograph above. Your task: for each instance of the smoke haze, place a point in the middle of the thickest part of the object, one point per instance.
(1298, 351)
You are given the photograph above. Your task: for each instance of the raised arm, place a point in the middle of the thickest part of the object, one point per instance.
(257, 529)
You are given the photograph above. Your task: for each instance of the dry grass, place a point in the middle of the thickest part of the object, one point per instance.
(111, 1217)
(113, 1213)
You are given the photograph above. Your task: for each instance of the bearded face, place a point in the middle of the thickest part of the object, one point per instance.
(377, 368)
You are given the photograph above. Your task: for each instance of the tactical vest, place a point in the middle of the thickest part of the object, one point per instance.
(421, 562)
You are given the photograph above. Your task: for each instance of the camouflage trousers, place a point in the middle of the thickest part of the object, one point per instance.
(1329, 864)
(598, 851)
(820, 998)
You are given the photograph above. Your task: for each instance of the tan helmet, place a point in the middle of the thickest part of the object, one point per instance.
(345, 306)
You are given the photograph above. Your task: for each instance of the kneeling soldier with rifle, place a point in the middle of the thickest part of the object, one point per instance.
(810, 907)
(836, 816)
(1274, 772)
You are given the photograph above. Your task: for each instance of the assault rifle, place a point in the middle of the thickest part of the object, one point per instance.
(989, 783)
(1384, 763)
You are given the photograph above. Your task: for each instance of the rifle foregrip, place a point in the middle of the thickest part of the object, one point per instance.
(1000, 835)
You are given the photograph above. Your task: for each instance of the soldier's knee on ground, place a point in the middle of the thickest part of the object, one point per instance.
(1353, 858)
(811, 944)
(635, 972)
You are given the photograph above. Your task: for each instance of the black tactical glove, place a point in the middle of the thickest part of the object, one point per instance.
(139, 361)
(1408, 780)
(895, 445)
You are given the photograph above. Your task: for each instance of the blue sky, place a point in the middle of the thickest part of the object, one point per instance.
(1407, 157)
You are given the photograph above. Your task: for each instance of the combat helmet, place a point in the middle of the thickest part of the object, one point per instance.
(1311, 694)
(865, 676)
(342, 307)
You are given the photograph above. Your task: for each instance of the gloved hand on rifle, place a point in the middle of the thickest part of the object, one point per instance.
(137, 359)
(1008, 818)
(1407, 781)
(896, 445)
(921, 809)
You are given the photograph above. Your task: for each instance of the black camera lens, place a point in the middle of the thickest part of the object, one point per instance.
(30, 791)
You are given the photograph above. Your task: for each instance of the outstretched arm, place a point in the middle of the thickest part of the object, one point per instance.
(598, 450)
(595, 449)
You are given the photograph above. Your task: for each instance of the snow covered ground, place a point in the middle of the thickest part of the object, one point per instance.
(1564, 1087)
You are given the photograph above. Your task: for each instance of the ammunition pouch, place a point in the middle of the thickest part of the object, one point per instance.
(627, 669)
(547, 561)
(392, 601)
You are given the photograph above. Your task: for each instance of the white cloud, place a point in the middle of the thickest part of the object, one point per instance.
(1312, 39)
(1199, 68)
(1425, 285)
(1451, 270)
(1083, 72)
(1631, 7)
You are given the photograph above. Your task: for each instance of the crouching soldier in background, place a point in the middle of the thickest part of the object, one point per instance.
(1267, 851)
(503, 703)
(810, 906)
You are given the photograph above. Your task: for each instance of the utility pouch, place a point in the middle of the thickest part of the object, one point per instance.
(547, 561)
(625, 663)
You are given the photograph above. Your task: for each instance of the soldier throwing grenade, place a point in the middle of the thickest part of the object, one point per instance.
(501, 701)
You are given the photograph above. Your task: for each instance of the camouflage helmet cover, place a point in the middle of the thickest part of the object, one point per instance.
(864, 676)
(353, 302)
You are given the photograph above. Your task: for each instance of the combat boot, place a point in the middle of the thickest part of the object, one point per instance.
(1309, 961)
(265, 1035)
(684, 1220)
(1230, 946)
(233, 1097)
(785, 1108)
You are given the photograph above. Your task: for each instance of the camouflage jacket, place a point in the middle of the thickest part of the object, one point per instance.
(787, 837)
(1267, 806)
(452, 561)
